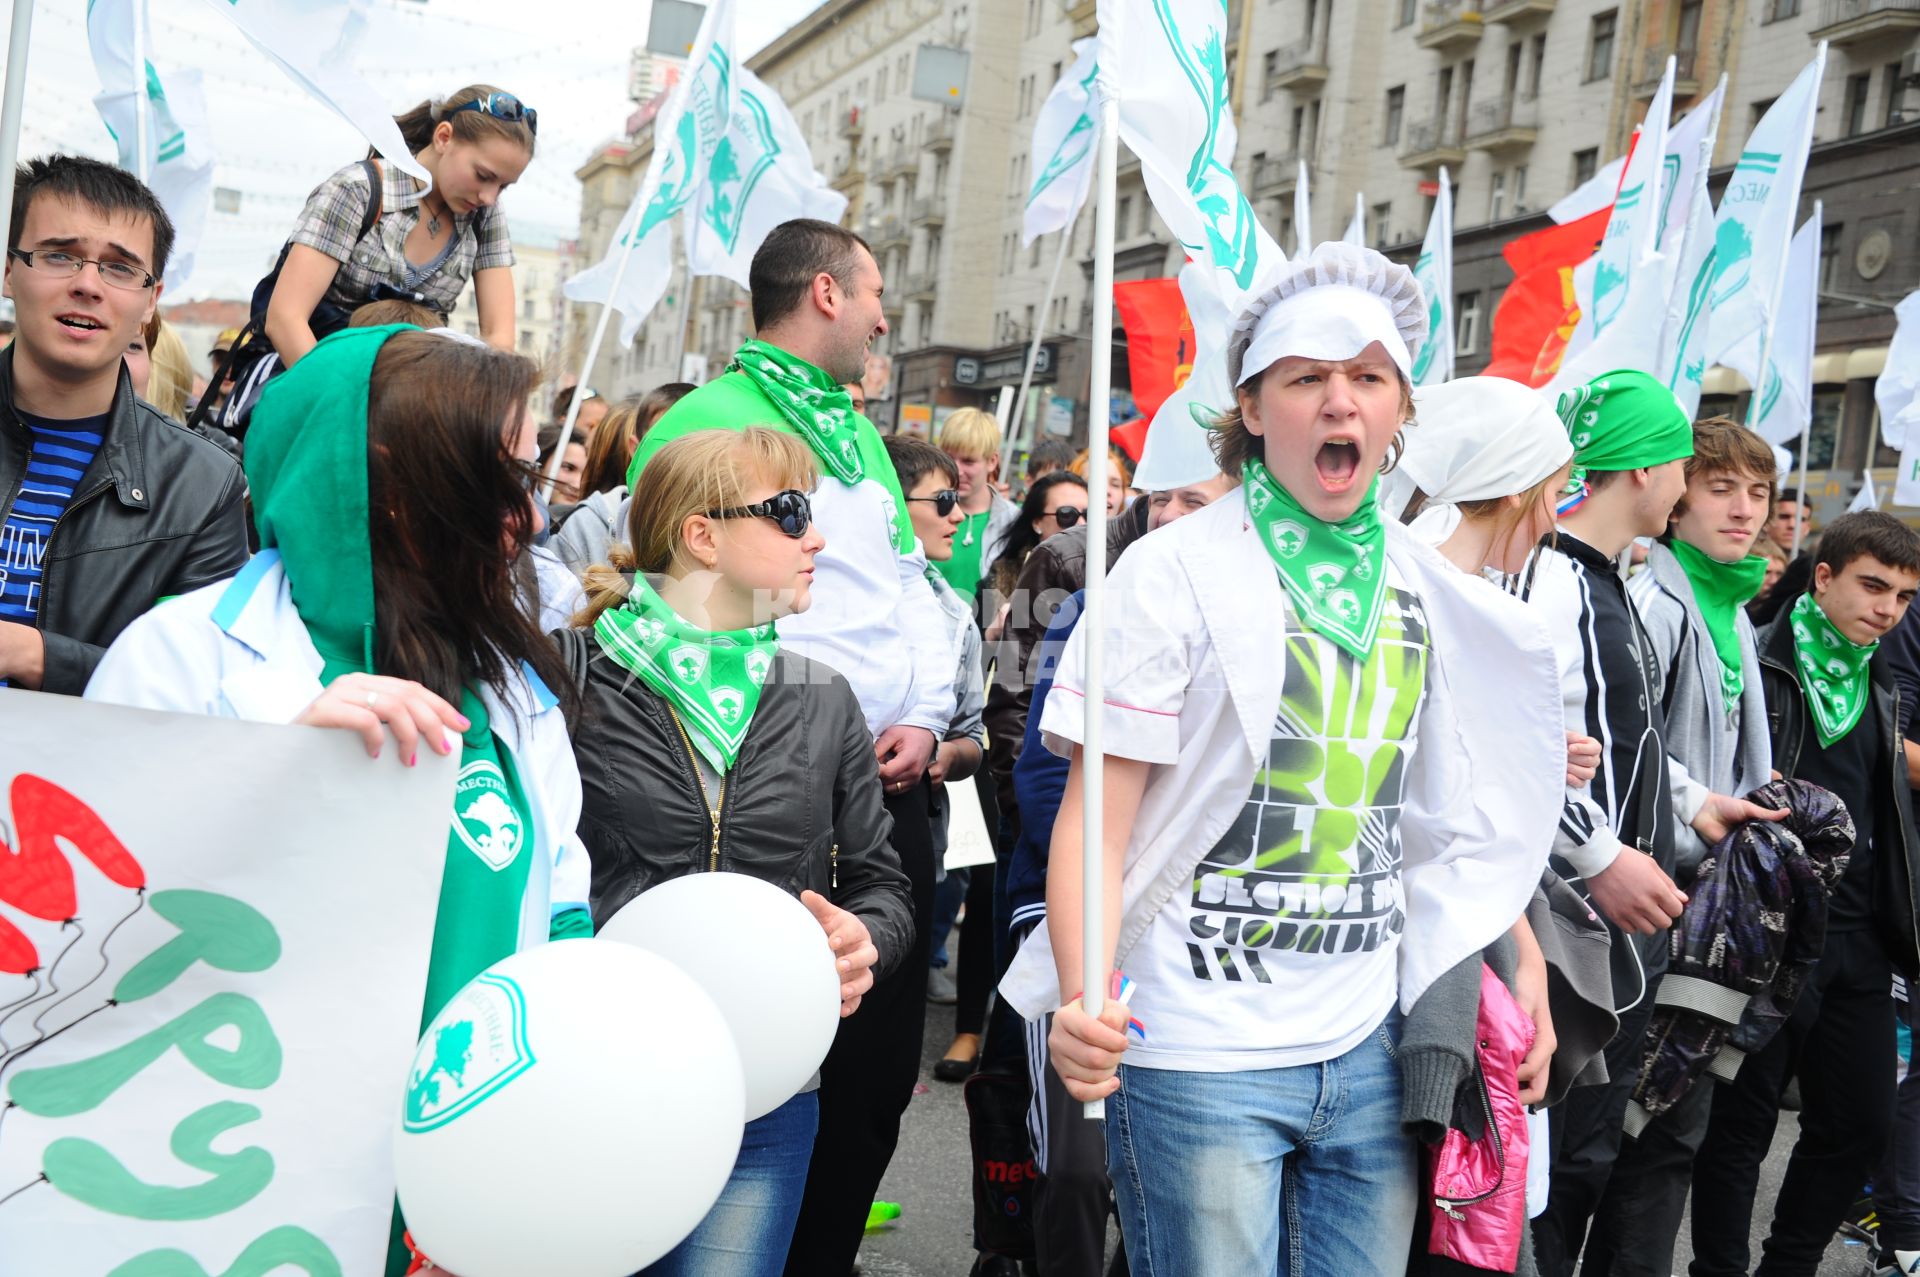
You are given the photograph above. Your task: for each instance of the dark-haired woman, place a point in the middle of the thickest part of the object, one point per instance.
(425, 244)
(409, 619)
(1056, 501)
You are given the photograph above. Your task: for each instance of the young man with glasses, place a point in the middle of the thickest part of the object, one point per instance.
(106, 506)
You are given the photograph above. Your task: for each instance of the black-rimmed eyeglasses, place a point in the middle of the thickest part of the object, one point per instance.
(52, 261)
(790, 511)
(943, 501)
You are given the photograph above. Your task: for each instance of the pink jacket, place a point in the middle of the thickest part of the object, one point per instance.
(1480, 1185)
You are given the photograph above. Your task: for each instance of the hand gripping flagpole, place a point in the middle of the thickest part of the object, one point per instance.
(1095, 964)
(12, 105)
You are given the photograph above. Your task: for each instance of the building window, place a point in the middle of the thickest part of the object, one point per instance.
(1299, 127)
(1859, 93)
(1778, 10)
(1539, 65)
(1893, 80)
(1829, 255)
(1688, 40)
(1600, 45)
(1519, 189)
(1585, 164)
(1123, 213)
(1396, 114)
(1382, 235)
(1759, 112)
(1269, 72)
(1466, 322)
(1497, 198)
(1407, 10)
(1146, 216)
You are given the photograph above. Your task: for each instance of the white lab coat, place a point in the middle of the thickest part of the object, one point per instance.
(238, 649)
(1193, 670)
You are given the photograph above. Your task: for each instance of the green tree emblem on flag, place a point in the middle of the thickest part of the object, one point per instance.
(1609, 294)
(1073, 147)
(1230, 226)
(750, 142)
(1733, 257)
(1423, 274)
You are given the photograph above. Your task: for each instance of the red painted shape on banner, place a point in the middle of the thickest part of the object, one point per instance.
(17, 954)
(36, 877)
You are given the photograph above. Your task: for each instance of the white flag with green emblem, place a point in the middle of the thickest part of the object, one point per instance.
(1433, 362)
(1783, 402)
(179, 160)
(1166, 61)
(1686, 238)
(1062, 148)
(761, 176)
(316, 42)
(1758, 211)
(686, 137)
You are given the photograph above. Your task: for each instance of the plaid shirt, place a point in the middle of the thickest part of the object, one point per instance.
(332, 218)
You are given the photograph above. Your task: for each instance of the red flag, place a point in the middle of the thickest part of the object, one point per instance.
(1131, 437)
(1159, 340)
(1536, 316)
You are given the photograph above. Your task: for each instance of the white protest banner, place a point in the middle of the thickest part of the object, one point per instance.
(213, 949)
(1063, 132)
(686, 134)
(1897, 390)
(1687, 240)
(1179, 445)
(761, 176)
(1433, 363)
(317, 42)
(1782, 405)
(178, 164)
(1868, 498)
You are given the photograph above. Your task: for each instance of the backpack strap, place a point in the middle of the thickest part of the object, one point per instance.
(376, 195)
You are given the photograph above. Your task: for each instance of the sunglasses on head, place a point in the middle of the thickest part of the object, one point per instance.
(1068, 515)
(502, 106)
(943, 501)
(791, 511)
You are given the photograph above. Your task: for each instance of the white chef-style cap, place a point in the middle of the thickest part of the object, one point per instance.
(1477, 439)
(1331, 304)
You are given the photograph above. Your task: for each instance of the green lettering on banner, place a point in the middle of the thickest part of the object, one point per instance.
(282, 1247)
(88, 1173)
(217, 930)
(252, 1063)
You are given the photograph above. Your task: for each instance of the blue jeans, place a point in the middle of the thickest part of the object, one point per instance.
(1270, 1173)
(948, 896)
(747, 1232)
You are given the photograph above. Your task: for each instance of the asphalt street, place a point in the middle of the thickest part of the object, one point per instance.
(928, 1178)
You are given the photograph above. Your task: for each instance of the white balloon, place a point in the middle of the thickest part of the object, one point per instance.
(763, 959)
(575, 1111)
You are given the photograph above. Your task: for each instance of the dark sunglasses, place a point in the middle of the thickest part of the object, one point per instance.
(503, 106)
(1068, 515)
(943, 501)
(790, 510)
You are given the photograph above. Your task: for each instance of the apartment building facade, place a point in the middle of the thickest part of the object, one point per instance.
(1520, 100)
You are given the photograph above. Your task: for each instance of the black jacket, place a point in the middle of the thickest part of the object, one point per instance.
(158, 513)
(1896, 888)
(803, 805)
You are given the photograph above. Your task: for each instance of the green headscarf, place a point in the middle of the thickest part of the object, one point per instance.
(1720, 590)
(1623, 420)
(1833, 669)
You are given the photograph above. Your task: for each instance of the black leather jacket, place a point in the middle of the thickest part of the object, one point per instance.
(802, 807)
(158, 513)
(1896, 886)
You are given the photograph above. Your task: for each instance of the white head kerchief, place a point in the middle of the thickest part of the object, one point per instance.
(1477, 439)
(1331, 304)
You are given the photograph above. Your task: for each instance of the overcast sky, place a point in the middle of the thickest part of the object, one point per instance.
(567, 58)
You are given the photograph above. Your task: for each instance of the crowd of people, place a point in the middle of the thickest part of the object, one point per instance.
(1434, 725)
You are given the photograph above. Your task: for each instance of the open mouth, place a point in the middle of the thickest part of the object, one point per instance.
(81, 323)
(1337, 464)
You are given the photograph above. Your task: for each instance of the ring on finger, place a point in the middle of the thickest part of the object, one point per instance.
(372, 699)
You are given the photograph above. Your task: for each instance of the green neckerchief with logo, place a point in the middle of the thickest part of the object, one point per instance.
(712, 678)
(1833, 670)
(820, 410)
(1336, 573)
(1720, 590)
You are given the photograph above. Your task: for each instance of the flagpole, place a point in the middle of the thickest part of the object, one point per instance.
(12, 104)
(1094, 963)
(142, 108)
(1019, 414)
(1766, 354)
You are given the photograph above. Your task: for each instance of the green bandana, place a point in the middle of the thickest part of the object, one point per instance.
(1720, 590)
(1833, 670)
(1623, 421)
(821, 411)
(1334, 572)
(711, 677)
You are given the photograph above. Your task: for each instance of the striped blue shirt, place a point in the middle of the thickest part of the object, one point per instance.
(60, 454)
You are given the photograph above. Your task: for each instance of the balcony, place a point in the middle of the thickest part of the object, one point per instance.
(1301, 64)
(1276, 174)
(853, 125)
(848, 176)
(921, 287)
(928, 210)
(1450, 24)
(903, 161)
(1515, 11)
(1849, 21)
(1505, 125)
(939, 138)
(1653, 65)
(1430, 144)
(893, 233)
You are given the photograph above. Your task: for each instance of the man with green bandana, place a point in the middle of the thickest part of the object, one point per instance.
(1616, 838)
(1836, 718)
(816, 309)
(1692, 599)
